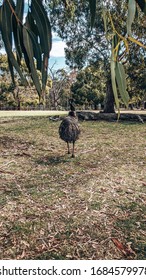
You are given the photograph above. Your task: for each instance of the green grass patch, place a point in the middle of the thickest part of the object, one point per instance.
(56, 207)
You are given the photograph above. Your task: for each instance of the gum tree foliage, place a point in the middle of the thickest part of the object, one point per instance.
(18, 97)
(136, 76)
(33, 40)
(122, 41)
(88, 89)
(108, 42)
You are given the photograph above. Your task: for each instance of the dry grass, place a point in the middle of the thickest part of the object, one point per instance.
(55, 207)
(30, 113)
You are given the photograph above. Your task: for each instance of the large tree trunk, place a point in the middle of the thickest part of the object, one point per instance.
(109, 99)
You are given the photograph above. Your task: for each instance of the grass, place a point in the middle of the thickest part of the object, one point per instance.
(56, 207)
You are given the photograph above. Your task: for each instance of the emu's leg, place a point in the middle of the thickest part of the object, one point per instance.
(68, 147)
(73, 155)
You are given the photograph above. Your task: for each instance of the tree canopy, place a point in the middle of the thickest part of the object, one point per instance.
(106, 44)
(88, 89)
(32, 35)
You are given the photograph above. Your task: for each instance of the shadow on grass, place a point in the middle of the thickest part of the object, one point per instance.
(126, 123)
(50, 256)
(53, 160)
(133, 223)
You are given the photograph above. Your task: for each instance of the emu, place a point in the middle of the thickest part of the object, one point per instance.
(69, 128)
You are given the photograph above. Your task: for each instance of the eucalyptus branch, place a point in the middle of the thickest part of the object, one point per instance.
(14, 13)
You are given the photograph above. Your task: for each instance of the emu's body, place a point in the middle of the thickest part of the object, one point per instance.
(69, 130)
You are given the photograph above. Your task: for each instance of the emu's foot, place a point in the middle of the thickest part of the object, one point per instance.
(68, 152)
(73, 156)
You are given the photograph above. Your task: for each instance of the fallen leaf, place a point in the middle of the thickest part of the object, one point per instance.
(126, 250)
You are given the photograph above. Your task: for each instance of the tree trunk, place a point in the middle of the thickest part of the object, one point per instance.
(42, 101)
(94, 116)
(15, 92)
(109, 99)
(19, 105)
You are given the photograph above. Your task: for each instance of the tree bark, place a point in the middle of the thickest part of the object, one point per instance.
(109, 99)
(111, 117)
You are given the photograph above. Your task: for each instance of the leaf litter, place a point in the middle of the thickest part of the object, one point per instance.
(55, 207)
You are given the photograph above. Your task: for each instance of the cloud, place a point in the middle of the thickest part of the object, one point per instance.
(58, 48)
(2, 51)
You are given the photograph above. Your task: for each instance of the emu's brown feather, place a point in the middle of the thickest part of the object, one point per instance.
(69, 130)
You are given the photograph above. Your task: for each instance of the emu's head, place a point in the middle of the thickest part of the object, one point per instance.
(72, 114)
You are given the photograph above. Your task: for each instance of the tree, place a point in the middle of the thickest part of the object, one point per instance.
(88, 89)
(136, 78)
(15, 97)
(60, 91)
(86, 46)
(33, 38)
(118, 40)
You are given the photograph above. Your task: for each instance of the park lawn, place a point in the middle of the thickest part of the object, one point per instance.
(56, 207)
(31, 113)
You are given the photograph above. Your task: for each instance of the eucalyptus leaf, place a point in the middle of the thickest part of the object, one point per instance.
(36, 46)
(104, 15)
(121, 81)
(142, 5)
(20, 9)
(44, 28)
(29, 49)
(131, 15)
(17, 30)
(6, 31)
(43, 25)
(113, 76)
(92, 4)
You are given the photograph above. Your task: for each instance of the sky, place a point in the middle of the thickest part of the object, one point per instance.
(57, 55)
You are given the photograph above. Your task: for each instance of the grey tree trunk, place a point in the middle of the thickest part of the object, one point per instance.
(109, 99)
